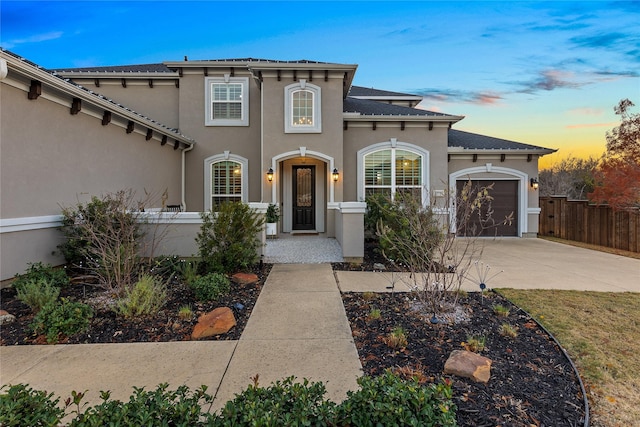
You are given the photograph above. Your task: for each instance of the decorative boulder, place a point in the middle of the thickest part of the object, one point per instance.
(216, 322)
(6, 317)
(244, 278)
(468, 365)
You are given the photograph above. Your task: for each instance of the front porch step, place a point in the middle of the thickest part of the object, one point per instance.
(304, 232)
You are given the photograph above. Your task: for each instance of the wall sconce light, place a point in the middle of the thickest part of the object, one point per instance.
(270, 174)
(534, 183)
(335, 175)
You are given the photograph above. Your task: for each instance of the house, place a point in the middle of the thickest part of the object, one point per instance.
(295, 133)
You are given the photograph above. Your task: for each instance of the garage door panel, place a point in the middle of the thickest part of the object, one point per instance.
(504, 205)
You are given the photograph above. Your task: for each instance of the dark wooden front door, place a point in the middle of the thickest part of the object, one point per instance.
(304, 198)
(504, 205)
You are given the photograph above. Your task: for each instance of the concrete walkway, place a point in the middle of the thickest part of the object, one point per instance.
(298, 327)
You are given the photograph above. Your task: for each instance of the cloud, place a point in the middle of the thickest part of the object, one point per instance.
(452, 95)
(549, 80)
(592, 125)
(600, 40)
(33, 39)
(616, 74)
(586, 111)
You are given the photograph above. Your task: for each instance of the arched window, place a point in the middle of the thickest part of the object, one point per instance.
(302, 112)
(302, 108)
(393, 168)
(225, 180)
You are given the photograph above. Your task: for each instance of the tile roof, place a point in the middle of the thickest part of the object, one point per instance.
(366, 92)
(473, 141)
(375, 108)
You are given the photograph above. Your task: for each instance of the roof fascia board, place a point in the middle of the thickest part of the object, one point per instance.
(367, 118)
(33, 73)
(119, 74)
(466, 151)
(392, 98)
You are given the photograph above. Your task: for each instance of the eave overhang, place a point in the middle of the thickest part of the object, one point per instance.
(119, 75)
(462, 151)
(389, 98)
(357, 117)
(61, 87)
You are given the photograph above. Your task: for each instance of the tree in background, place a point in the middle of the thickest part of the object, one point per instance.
(617, 177)
(572, 177)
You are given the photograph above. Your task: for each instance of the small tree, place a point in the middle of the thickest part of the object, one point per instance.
(227, 239)
(104, 238)
(427, 243)
(617, 177)
(571, 177)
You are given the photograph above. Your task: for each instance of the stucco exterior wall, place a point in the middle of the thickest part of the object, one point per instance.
(243, 141)
(51, 158)
(159, 102)
(276, 141)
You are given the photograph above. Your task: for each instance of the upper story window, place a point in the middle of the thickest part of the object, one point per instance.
(302, 108)
(227, 101)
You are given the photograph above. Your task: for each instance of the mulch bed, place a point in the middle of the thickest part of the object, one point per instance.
(107, 327)
(531, 384)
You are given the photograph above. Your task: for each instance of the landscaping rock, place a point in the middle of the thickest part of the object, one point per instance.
(216, 322)
(245, 278)
(468, 365)
(6, 317)
(379, 266)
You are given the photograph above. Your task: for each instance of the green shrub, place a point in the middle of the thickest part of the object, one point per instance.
(147, 296)
(37, 271)
(377, 205)
(160, 407)
(383, 401)
(63, 318)
(408, 232)
(388, 400)
(21, 406)
(227, 239)
(188, 270)
(211, 286)
(283, 403)
(37, 293)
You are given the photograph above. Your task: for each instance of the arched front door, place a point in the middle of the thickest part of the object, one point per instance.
(304, 197)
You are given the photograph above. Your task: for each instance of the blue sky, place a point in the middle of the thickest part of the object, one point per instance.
(546, 73)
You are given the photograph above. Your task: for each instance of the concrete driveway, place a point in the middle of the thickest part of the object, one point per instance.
(528, 264)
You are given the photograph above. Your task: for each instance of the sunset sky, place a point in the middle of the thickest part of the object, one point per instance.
(545, 73)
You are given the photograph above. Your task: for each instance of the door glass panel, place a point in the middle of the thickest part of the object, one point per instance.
(303, 189)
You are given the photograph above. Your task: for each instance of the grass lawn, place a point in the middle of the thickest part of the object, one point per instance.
(601, 333)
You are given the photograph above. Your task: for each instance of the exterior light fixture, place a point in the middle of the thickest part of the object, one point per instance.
(270, 174)
(335, 175)
(534, 183)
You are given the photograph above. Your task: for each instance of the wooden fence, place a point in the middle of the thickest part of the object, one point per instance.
(580, 221)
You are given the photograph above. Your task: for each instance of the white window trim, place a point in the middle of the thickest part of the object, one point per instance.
(208, 90)
(226, 156)
(395, 144)
(288, 108)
